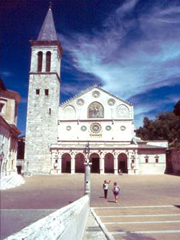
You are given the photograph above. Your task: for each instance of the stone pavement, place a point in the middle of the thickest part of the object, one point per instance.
(93, 230)
(48, 193)
(160, 222)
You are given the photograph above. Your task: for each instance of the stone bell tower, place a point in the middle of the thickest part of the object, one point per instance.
(43, 97)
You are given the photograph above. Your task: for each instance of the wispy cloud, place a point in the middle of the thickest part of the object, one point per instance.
(70, 89)
(7, 74)
(127, 66)
(127, 6)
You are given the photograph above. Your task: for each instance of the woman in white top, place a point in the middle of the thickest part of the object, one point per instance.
(105, 187)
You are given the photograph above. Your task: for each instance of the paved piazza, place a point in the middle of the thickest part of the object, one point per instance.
(148, 207)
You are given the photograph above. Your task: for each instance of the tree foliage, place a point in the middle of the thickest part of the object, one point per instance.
(166, 126)
(177, 109)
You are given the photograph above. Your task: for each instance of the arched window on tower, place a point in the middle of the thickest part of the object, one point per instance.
(40, 58)
(48, 61)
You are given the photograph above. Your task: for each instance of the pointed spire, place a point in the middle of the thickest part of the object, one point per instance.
(48, 31)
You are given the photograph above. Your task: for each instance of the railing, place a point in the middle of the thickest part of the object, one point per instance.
(66, 223)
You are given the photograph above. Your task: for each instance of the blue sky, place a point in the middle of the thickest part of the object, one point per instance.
(130, 48)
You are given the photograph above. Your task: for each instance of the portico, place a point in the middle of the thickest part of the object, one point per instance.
(104, 159)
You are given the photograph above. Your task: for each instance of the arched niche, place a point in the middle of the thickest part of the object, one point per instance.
(69, 112)
(122, 111)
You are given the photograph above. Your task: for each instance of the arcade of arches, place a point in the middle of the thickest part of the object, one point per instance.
(103, 161)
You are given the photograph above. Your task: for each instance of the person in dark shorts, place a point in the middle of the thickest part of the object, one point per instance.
(116, 191)
(105, 187)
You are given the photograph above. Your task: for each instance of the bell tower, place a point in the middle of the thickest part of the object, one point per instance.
(43, 97)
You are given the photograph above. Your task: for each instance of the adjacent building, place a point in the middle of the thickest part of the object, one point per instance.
(8, 130)
(95, 124)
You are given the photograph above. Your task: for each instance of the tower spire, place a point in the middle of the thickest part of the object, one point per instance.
(48, 31)
(50, 4)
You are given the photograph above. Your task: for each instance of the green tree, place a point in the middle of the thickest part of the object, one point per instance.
(165, 126)
(177, 108)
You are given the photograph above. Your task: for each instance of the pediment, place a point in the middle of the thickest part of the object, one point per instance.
(96, 92)
(95, 102)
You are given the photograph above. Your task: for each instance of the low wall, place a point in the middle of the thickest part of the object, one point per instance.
(152, 168)
(66, 223)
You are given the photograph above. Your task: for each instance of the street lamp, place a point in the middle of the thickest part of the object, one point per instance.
(87, 164)
(1, 162)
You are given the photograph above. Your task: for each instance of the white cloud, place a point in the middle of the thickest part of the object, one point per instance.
(134, 68)
(69, 89)
(167, 15)
(128, 6)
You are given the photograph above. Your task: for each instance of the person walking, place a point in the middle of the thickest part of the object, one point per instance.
(56, 166)
(120, 172)
(116, 191)
(105, 187)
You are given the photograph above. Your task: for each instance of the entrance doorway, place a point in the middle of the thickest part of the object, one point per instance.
(19, 168)
(79, 165)
(95, 163)
(109, 163)
(66, 163)
(122, 163)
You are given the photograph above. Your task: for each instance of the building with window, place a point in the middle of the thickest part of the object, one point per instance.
(8, 130)
(58, 136)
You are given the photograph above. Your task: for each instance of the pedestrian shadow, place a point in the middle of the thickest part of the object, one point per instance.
(101, 197)
(178, 206)
(111, 201)
(135, 236)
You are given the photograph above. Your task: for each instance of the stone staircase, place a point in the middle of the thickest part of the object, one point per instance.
(11, 181)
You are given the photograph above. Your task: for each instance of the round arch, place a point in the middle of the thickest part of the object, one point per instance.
(66, 163)
(95, 110)
(69, 112)
(122, 162)
(109, 163)
(79, 163)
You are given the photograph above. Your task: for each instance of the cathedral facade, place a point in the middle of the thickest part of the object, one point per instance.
(94, 124)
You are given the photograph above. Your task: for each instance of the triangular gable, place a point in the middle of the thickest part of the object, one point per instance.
(90, 89)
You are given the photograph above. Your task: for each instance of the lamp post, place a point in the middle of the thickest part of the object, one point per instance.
(87, 164)
(1, 162)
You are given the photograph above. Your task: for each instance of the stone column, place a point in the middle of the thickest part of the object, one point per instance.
(136, 162)
(72, 163)
(128, 162)
(52, 158)
(44, 62)
(132, 161)
(101, 163)
(87, 178)
(115, 163)
(60, 163)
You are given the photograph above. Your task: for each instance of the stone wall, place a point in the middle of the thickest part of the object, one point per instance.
(66, 223)
(173, 161)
